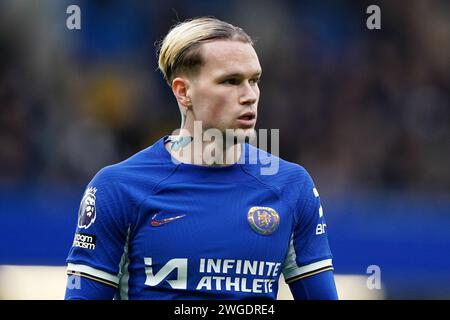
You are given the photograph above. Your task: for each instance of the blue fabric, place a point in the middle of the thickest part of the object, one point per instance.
(317, 287)
(165, 230)
(86, 289)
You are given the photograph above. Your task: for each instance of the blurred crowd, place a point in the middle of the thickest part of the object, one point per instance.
(358, 108)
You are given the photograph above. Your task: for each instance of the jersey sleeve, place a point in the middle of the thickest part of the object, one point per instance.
(320, 286)
(102, 231)
(87, 289)
(309, 251)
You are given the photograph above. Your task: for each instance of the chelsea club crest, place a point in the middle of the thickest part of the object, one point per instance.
(263, 220)
(86, 213)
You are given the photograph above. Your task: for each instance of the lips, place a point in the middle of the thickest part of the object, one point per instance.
(247, 116)
(247, 120)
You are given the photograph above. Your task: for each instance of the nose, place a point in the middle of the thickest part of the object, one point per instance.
(249, 95)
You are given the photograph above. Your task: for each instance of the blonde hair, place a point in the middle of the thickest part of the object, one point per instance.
(179, 52)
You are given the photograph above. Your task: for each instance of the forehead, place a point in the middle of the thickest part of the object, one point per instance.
(229, 57)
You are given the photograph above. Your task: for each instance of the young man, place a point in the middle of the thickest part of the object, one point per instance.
(185, 219)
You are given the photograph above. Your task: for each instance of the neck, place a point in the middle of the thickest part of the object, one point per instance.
(192, 149)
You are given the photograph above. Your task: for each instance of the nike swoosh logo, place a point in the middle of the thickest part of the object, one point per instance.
(156, 223)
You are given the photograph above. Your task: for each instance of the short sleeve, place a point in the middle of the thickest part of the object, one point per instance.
(101, 233)
(309, 251)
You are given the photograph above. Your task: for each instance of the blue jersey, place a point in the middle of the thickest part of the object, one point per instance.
(157, 229)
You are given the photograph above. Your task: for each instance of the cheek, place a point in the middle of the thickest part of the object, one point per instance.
(218, 108)
(257, 92)
(213, 106)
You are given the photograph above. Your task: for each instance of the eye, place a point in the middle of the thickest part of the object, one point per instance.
(231, 81)
(254, 81)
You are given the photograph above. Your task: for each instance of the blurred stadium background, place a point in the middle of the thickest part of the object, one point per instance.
(366, 112)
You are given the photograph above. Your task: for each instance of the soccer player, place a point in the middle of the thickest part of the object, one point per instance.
(172, 223)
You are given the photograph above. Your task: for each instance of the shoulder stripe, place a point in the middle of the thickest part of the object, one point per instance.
(308, 274)
(297, 272)
(88, 276)
(83, 269)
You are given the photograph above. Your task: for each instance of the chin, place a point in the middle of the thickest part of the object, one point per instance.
(237, 135)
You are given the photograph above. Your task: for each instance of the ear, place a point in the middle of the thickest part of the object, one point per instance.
(180, 88)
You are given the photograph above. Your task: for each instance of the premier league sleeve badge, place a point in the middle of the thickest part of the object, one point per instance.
(86, 213)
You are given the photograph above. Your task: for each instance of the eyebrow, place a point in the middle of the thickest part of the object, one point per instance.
(240, 75)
